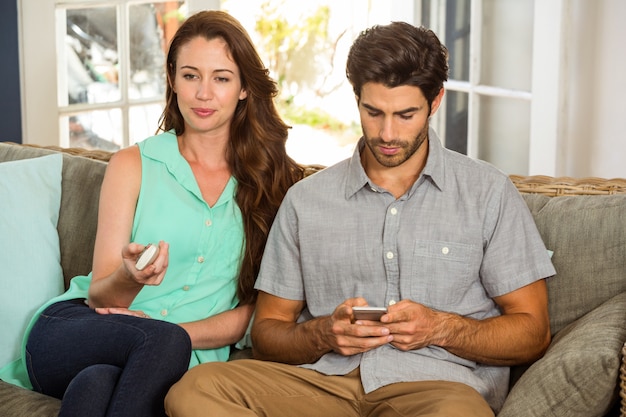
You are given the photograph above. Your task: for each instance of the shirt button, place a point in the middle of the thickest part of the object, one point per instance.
(389, 255)
(164, 312)
(200, 259)
(394, 211)
(186, 288)
(445, 250)
(208, 222)
(392, 302)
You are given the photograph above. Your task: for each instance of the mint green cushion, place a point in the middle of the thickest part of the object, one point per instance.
(31, 274)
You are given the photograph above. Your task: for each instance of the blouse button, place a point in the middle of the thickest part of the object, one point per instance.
(200, 259)
(208, 222)
(164, 312)
(186, 288)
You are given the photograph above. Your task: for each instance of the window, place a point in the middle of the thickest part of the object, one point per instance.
(101, 69)
(91, 77)
(111, 86)
(501, 102)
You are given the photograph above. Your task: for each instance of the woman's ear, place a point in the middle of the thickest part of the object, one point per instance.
(243, 94)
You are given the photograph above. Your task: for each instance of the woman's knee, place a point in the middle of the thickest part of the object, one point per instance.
(171, 339)
(91, 391)
(100, 379)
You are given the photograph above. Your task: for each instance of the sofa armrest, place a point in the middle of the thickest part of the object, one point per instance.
(20, 402)
(578, 375)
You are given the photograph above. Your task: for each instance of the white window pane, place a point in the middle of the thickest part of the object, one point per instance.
(504, 133)
(456, 108)
(144, 121)
(151, 26)
(101, 129)
(457, 38)
(507, 44)
(92, 55)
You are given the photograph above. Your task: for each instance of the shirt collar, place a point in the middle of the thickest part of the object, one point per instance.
(164, 148)
(433, 170)
(435, 162)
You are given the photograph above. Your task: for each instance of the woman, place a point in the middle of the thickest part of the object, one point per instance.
(206, 189)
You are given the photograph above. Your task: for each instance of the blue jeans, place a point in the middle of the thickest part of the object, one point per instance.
(105, 365)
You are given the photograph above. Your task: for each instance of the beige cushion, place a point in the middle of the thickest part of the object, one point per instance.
(577, 376)
(588, 237)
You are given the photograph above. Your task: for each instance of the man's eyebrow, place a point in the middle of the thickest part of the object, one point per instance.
(403, 111)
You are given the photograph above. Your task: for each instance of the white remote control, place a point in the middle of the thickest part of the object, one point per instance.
(147, 256)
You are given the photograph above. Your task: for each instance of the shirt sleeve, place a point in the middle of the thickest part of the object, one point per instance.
(281, 272)
(514, 253)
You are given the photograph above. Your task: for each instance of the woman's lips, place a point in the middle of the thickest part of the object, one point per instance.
(203, 112)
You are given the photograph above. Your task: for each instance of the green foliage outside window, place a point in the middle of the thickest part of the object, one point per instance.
(300, 55)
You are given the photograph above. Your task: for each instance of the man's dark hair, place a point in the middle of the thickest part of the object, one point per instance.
(398, 54)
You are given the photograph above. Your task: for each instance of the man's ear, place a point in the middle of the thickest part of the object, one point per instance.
(436, 102)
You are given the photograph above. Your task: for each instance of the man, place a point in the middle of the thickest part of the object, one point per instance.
(445, 242)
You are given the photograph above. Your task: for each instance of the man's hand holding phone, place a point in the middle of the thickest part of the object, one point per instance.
(347, 337)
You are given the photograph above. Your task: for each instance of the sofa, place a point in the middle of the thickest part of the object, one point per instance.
(582, 222)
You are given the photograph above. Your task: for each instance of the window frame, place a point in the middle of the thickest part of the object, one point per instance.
(545, 95)
(37, 25)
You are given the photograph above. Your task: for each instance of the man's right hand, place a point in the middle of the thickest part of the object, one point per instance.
(349, 337)
(277, 336)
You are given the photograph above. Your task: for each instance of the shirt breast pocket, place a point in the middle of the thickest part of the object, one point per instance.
(444, 273)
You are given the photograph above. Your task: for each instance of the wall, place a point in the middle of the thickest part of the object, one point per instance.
(607, 157)
(594, 136)
(10, 107)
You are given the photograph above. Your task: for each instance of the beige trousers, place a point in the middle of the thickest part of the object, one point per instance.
(257, 388)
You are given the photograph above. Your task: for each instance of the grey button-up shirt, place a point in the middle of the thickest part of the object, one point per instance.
(461, 235)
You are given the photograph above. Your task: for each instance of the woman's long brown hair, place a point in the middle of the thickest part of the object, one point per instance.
(256, 153)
